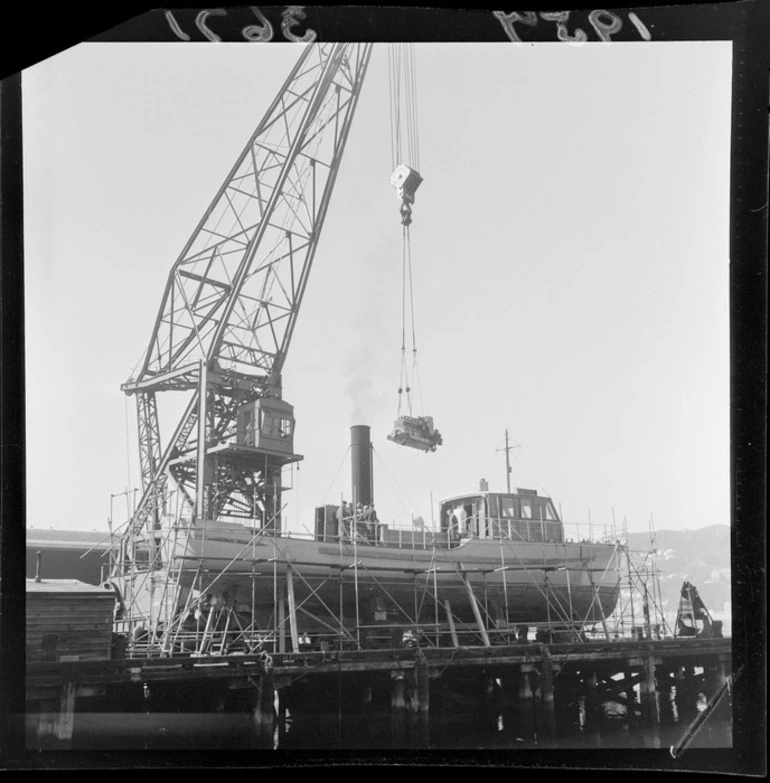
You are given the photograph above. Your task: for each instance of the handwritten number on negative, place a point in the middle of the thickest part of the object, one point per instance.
(175, 28)
(603, 28)
(561, 18)
(605, 24)
(289, 19)
(528, 18)
(200, 22)
(262, 32)
(258, 32)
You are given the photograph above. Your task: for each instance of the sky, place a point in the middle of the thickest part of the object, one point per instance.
(570, 251)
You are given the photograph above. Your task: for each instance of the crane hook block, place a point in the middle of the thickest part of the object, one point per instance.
(416, 432)
(406, 181)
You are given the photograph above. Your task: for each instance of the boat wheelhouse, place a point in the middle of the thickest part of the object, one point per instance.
(520, 516)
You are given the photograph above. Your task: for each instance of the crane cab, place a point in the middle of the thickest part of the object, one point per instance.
(266, 424)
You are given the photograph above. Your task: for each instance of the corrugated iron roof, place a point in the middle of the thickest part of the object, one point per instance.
(66, 586)
(68, 539)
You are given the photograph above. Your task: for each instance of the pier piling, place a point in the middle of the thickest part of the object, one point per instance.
(591, 697)
(547, 695)
(648, 688)
(526, 700)
(423, 701)
(398, 709)
(628, 679)
(56, 719)
(264, 712)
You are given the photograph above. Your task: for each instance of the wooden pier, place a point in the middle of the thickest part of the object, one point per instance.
(536, 677)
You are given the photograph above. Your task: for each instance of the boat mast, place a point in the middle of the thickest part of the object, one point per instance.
(507, 463)
(507, 451)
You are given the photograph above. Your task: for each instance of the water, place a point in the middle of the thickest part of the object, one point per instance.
(500, 729)
(325, 716)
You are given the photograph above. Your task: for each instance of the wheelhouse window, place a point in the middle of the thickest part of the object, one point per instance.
(508, 507)
(526, 508)
(544, 510)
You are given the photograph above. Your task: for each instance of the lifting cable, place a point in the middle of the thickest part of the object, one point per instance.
(409, 376)
(405, 151)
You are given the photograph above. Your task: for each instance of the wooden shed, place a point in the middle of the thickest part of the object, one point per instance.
(68, 620)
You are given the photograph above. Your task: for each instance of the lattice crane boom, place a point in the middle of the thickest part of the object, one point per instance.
(233, 293)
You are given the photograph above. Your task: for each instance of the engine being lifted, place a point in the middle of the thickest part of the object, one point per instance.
(416, 432)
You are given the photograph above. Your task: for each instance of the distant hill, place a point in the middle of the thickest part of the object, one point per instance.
(699, 556)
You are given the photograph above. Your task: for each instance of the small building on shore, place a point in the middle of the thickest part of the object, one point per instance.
(68, 620)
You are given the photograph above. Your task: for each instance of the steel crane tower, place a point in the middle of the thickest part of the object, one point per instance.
(229, 309)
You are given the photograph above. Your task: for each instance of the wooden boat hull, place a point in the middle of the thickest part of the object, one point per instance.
(512, 582)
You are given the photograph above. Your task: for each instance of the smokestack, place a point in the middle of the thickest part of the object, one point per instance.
(361, 464)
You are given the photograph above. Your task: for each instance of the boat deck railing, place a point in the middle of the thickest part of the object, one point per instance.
(493, 529)
(405, 536)
(378, 534)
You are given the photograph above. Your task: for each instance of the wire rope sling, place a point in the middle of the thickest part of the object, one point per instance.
(409, 429)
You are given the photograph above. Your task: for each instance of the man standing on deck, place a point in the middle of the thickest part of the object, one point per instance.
(462, 519)
(343, 514)
(451, 523)
(370, 517)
